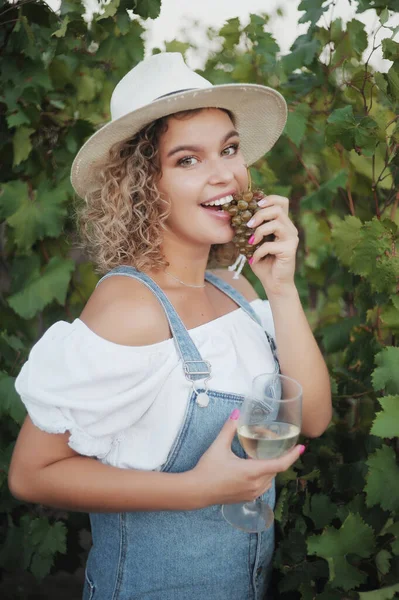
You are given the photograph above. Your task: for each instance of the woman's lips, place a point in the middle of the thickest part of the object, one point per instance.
(214, 211)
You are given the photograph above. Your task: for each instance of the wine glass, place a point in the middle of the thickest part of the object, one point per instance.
(268, 427)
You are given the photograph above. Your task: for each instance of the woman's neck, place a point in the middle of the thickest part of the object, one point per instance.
(187, 266)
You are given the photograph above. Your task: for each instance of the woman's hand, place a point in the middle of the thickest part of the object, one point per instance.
(274, 262)
(226, 479)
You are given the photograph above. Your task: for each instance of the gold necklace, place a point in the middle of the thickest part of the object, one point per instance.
(182, 282)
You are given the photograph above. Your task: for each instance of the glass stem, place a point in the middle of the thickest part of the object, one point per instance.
(253, 505)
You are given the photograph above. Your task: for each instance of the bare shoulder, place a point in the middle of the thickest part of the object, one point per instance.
(241, 284)
(124, 311)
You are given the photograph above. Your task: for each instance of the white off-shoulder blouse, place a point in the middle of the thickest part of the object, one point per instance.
(125, 404)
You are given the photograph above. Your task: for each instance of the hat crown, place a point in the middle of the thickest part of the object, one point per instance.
(158, 75)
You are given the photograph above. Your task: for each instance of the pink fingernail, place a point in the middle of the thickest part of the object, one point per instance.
(302, 449)
(235, 414)
(262, 203)
(251, 223)
(251, 239)
(251, 260)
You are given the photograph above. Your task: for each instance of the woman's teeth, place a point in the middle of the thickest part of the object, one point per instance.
(219, 202)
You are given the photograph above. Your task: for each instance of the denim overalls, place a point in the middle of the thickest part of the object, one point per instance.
(182, 555)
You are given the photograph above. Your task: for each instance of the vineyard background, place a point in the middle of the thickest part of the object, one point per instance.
(337, 510)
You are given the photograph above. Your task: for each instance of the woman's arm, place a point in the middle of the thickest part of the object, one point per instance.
(300, 358)
(44, 470)
(298, 352)
(274, 264)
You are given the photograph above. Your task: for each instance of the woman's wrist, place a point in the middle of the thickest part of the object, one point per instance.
(287, 292)
(196, 494)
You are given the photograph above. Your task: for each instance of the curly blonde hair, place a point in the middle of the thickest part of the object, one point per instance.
(122, 220)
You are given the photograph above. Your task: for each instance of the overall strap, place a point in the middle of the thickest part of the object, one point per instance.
(233, 294)
(239, 299)
(193, 364)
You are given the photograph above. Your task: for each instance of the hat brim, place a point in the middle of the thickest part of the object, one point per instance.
(260, 114)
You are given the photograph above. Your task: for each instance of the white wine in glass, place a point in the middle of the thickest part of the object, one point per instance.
(268, 427)
(269, 441)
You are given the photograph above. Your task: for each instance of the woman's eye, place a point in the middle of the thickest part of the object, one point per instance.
(187, 161)
(230, 150)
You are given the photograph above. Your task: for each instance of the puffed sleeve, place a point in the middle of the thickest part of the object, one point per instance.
(264, 312)
(76, 381)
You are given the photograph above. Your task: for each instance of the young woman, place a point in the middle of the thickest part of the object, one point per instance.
(116, 426)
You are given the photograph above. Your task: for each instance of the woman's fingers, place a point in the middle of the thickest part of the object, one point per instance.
(277, 465)
(275, 199)
(275, 219)
(275, 227)
(266, 214)
(284, 250)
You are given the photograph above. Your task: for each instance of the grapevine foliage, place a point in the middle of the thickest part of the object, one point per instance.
(337, 510)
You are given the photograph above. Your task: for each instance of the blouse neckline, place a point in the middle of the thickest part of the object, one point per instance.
(157, 345)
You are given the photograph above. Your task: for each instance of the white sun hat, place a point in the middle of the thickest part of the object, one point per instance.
(162, 85)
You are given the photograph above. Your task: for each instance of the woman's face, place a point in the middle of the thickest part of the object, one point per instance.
(201, 162)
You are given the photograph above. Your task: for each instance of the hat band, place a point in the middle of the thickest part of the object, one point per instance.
(175, 92)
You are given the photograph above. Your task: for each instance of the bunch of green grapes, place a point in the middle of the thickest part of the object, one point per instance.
(242, 208)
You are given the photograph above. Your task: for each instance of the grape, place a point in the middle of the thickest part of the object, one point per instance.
(242, 208)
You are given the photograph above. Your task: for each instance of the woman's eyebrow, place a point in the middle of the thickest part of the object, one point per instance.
(229, 135)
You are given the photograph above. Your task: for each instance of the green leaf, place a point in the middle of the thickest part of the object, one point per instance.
(303, 51)
(21, 144)
(110, 9)
(10, 402)
(352, 43)
(385, 593)
(281, 506)
(61, 31)
(314, 10)
(343, 127)
(346, 234)
(384, 16)
(123, 21)
(317, 240)
(386, 424)
(40, 566)
(47, 539)
(389, 314)
(84, 283)
(176, 46)
(393, 82)
(267, 48)
(321, 510)
(17, 118)
(340, 126)
(296, 123)
(354, 537)
(148, 9)
(382, 561)
(336, 336)
(34, 216)
(43, 541)
(86, 86)
(321, 198)
(43, 288)
(386, 375)
(382, 481)
(375, 257)
(72, 6)
(231, 32)
(382, 82)
(390, 49)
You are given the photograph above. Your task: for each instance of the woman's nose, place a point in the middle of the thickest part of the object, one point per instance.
(219, 173)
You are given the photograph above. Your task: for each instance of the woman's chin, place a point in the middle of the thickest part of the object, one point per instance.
(223, 239)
